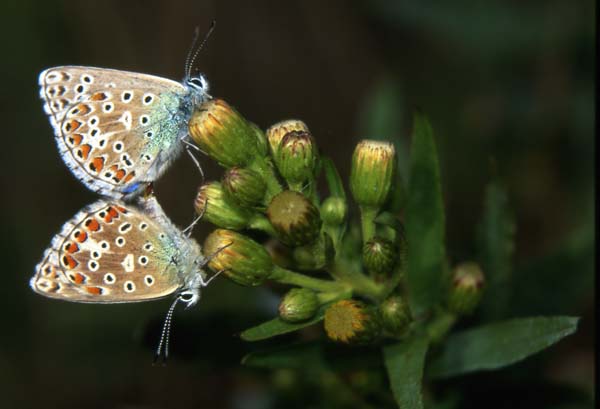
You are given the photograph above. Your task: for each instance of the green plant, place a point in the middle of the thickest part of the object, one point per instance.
(389, 285)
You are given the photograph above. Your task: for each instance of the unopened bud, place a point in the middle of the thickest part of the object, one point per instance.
(296, 157)
(466, 288)
(221, 132)
(242, 259)
(245, 186)
(333, 211)
(371, 176)
(379, 257)
(299, 304)
(352, 322)
(276, 132)
(395, 315)
(219, 209)
(294, 218)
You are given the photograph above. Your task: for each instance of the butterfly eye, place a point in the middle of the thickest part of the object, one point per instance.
(198, 83)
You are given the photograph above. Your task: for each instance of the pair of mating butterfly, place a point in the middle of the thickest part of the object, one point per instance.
(118, 132)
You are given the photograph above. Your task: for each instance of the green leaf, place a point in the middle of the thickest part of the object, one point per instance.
(404, 362)
(424, 222)
(277, 326)
(334, 181)
(497, 345)
(298, 356)
(496, 238)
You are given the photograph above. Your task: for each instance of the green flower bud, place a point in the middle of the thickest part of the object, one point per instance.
(395, 315)
(294, 218)
(261, 140)
(371, 176)
(316, 255)
(466, 288)
(299, 304)
(276, 132)
(379, 257)
(218, 209)
(334, 211)
(352, 322)
(242, 259)
(296, 158)
(221, 132)
(245, 186)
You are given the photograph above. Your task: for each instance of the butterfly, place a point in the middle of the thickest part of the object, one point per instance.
(117, 252)
(116, 130)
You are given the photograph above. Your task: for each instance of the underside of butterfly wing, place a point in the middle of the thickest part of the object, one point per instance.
(109, 252)
(115, 130)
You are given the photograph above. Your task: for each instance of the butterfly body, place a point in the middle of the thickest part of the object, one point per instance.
(117, 252)
(117, 130)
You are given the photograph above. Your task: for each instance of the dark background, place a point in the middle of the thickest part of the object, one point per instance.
(506, 82)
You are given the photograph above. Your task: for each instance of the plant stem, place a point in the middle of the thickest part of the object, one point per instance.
(285, 276)
(325, 298)
(260, 222)
(360, 283)
(367, 217)
(439, 326)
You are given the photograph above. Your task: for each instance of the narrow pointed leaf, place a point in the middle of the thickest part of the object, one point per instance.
(496, 242)
(277, 326)
(497, 345)
(424, 222)
(404, 362)
(334, 181)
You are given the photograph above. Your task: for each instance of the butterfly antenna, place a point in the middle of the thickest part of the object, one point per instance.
(193, 53)
(165, 335)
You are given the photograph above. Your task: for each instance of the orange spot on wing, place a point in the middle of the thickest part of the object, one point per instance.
(93, 290)
(72, 248)
(79, 278)
(85, 151)
(70, 261)
(120, 175)
(99, 96)
(73, 125)
(121, 208)
(84, 109)
(76, 139)
(92, 225)
(111, 214)
(81, 236)
(98, 163)
(130, 176)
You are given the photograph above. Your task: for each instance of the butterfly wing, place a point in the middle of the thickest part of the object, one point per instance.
(115, 129)
(109, 252)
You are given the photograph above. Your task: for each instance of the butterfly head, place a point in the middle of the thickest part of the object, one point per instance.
(197, 83)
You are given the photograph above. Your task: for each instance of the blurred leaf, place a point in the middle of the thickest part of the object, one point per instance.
(382, 119)
(334, 181)
(299, 356)
(279, 327)
(566, 276)
(496, 240)
(497, 345)
(404, 362)
(424, 221)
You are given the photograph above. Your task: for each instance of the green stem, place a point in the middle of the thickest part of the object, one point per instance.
(439, 326)
(325, 298)
(360, 283)
(260, 222)
(284, 276)
(367, 221)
